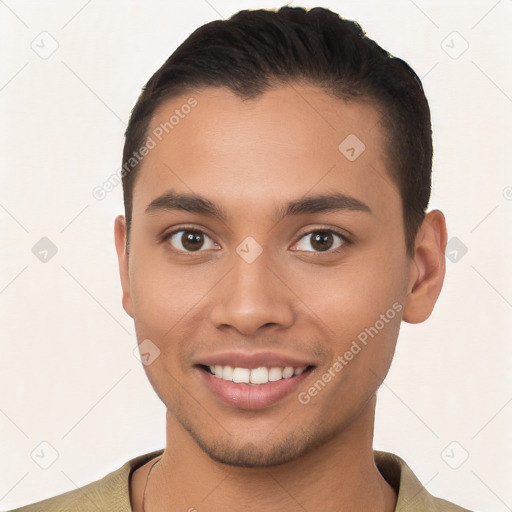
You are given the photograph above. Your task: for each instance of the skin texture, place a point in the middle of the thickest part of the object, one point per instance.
(295, 299)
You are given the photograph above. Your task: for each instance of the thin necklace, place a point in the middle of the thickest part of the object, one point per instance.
(146, 484)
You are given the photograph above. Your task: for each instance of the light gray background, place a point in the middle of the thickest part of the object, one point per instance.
(68, 375)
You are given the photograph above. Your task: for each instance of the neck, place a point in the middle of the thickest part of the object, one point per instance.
(340, 475)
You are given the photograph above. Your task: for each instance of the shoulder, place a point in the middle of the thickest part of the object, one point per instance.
(412, 495)
(112, 492)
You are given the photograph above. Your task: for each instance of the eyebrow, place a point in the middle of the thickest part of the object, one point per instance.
(194, 203)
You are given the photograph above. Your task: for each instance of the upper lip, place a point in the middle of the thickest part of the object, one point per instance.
(254, 360)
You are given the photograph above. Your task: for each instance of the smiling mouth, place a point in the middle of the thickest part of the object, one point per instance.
(255, 376)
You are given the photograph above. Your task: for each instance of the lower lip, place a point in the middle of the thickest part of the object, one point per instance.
(251, 396)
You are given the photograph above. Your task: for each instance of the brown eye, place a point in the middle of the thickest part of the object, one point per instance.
(192, 241)
(188, 240)
(321, 241)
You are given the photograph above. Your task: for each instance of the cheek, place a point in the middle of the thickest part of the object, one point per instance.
(359, 307)
(363, 330)
(353, 295)
(165, 295)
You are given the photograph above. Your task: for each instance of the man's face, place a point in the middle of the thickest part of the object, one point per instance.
(257, 289)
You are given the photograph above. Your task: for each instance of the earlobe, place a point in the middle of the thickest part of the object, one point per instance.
(427, 269)
(122, 257)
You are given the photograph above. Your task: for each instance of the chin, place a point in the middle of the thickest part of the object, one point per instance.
(257, 455)
(250, 456)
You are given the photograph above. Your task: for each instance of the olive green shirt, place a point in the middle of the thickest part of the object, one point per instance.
(112, 492)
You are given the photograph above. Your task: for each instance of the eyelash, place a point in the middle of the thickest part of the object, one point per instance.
(346, 241)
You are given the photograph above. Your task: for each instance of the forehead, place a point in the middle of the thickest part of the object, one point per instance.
(288, 141)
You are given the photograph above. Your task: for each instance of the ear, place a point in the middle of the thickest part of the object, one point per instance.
(427, 268)
(122, 256)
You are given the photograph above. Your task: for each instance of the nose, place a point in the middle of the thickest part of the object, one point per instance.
(252, 296)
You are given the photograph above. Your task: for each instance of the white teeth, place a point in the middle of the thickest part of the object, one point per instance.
(227, 373)
(241, 375)
(275, 374)
(261, 375)
(287, 372)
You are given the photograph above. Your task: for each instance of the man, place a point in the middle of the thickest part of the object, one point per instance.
(276, 174)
